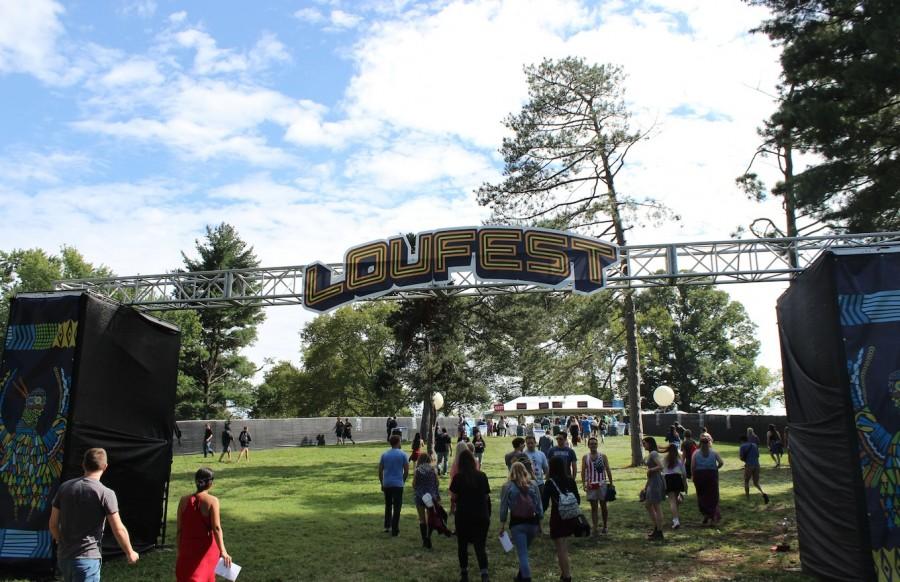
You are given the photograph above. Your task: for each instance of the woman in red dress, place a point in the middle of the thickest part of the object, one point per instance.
(200, 541)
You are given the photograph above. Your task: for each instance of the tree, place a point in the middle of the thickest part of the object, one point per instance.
(701, 343)
(569, 144)
(432, 354)
(281, 395)
(24, 270)
(344, 360)
(220, 372)
(841, 66)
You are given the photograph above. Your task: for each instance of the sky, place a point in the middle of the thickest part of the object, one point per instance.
(130, 125)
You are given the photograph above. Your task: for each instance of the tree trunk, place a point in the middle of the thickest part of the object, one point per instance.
(636, 429)
(632, 355)
(426, 425)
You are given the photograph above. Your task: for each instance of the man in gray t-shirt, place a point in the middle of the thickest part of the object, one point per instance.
(80, 510)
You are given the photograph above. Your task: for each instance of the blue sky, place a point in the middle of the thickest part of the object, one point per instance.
(312, 126)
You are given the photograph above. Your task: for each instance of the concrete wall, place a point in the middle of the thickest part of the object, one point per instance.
(722, 427)
(291, 432)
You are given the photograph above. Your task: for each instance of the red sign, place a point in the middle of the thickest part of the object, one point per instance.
(498, 408)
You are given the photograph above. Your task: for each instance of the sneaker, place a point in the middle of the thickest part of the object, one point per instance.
(765, 499)
(603, 531)
(676, 523)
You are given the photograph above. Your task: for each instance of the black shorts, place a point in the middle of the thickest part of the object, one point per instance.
(674, 483)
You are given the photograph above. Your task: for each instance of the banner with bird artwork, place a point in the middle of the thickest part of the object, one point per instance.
(35, 393)
(868, 288)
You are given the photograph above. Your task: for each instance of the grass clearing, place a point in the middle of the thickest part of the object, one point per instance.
(307, 514)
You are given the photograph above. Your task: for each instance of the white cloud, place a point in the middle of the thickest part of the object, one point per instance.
(29, 34)
(135, 71)
(341, 19)
(310, 15)
(45, 168)
(140, 8)
(177, 17)
(415, 162)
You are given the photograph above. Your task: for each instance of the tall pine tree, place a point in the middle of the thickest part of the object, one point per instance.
(220, 374)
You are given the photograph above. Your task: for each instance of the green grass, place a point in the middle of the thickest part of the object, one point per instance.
(316, 514)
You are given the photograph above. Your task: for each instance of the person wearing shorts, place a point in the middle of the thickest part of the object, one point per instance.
(245, 439)
(749, 453)
(654, 490)
(675, 477)
(595, 478)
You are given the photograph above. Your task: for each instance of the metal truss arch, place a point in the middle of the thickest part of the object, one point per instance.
(688, 263)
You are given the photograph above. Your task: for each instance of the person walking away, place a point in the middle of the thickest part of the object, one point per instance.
(672, 437)
(705, 474)
(603, 430)
(586, 428)
(416, 449)
(473, 513)
(480, 445)
(573, 430)
(675, 476)
(348, 431)
(749, 453)
(518, 445)
(688, 446)
(539, 464)
(752, 437)
(391, 426)
(596, 477)
(425, 482)
(244, 439)
(655, 489)
(559, 486)
(442, 450)
(776, 449)
(227, 441)
(521, 501)
(207, 441)
(338, 431)
(393, 470)
(78, 514)
(562, 449)
(199, 537)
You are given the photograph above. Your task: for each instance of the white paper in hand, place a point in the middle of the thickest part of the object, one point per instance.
(229, 573)
(506, 542)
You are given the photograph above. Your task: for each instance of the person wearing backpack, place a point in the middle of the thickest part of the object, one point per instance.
(561, 495)
(520, 500)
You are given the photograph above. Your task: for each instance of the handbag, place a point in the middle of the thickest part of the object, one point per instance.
(582, 527)
(610, 492)
(567, 504)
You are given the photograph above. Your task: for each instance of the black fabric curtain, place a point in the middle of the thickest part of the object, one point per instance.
(829, 499)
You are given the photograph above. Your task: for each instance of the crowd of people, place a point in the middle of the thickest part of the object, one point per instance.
(542, 478)
(551, 479)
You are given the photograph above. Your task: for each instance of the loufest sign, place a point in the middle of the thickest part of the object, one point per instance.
(549, 258)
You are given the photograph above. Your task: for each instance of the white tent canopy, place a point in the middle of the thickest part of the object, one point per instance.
(552, 405)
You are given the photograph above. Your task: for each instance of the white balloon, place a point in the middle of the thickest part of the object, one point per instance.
(438, 400)
(663, 396)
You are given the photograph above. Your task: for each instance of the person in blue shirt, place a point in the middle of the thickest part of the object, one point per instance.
(586, 428)
(749, 453)
(539, 463)
(393, 470)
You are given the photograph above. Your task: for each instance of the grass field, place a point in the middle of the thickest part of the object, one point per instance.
(316, 514)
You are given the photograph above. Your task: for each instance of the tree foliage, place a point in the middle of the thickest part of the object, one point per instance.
(345, 357)
(701, 343)
(569, 143)
(841, 74)
(221, 375)
(24, 270)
